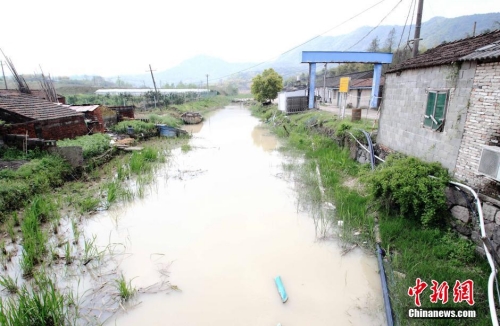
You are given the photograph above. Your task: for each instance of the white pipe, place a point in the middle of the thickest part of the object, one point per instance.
(363, 147)
(491, 297)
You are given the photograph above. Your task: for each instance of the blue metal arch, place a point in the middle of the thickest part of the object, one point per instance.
(377, 58)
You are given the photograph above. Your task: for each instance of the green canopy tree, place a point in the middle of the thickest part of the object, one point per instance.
(265, 87)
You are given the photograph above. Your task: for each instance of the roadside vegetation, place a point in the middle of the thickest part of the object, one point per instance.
(42, 206)
(399, 195)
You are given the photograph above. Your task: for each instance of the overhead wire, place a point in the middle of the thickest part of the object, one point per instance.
(375, 26)
(336, 26)
(412, 18)
(406, 22)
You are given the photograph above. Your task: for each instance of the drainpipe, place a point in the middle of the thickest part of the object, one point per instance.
(491, 280)
(377, 75)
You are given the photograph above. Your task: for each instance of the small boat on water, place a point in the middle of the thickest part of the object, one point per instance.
(191, 118)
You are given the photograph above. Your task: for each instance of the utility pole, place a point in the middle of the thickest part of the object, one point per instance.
(474, 30)
(3, 74)
(324, 85)
(418, 24)
(154, 83)
(207, 83)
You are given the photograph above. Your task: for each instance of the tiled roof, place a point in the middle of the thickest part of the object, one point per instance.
(84, 108)
(35, 92)
(447, 53)
(32, 107)
(335, 81)
(490, 51)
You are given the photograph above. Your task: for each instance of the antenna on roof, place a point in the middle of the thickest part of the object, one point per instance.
(22, 86)
(3, 74)
(48, 88)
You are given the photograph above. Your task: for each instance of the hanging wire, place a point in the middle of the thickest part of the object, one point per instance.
(397, 4)
(406, 22)
(336, 26)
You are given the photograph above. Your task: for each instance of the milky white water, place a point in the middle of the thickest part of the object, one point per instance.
(225, 224)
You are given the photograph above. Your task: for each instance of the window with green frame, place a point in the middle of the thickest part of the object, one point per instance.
(435, 110)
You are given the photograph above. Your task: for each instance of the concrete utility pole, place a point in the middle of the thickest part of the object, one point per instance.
(154, 83)
(324, 85)
(418, 24)
(3, 74)
(474, 30)
(207, 83)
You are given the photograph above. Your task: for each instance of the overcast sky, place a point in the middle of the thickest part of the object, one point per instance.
(109, 37)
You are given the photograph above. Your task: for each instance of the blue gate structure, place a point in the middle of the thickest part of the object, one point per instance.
(377, 58)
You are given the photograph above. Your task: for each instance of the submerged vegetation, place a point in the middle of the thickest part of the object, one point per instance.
(408, 205)
(42, 205)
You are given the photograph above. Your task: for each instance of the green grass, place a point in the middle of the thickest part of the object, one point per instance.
(140, 127)
(429, 253)
(92, 145)
(9, 284)
(164, 119)
(40, 304)
(35, 177)
(34, 241)
(125, 289)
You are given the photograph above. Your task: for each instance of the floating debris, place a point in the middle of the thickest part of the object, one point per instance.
(281, 289)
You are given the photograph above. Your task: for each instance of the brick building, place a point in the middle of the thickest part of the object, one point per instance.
(360, 89)
(98, 117)
(25, 113)
(444, 106)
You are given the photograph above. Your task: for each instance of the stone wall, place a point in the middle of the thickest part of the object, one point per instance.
(482, 126)
(461, 206)
(403, 108)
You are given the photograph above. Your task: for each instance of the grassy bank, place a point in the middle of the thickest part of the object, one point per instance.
(410, 214)
(43, 205)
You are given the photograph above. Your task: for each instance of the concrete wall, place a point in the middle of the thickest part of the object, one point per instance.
(482, 126)
(403, 108)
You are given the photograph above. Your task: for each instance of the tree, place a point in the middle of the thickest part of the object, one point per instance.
(389, 42)
(265, 87)
(374, 45)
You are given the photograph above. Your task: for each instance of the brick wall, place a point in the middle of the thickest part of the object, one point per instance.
(403, 108)
(54, 129)
(482, 126)
(96, 115)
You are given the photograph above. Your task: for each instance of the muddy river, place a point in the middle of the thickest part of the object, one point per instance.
(223, 222)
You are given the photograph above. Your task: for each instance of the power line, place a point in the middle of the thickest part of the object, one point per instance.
(412, 17)
(397, 4)
(336, 26)
(406, 22)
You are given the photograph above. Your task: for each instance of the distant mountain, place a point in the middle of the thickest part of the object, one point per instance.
(433, 32)
(193, 70)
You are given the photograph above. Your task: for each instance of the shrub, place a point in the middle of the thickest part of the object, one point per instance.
(146, 128)
(405, 183)
(92, 145)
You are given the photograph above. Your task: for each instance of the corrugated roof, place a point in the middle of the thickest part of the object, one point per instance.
(84, 108)
(447, 53)
(335, 81)
(490, 51)
(32, 107)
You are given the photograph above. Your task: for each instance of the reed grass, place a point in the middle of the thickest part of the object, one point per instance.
(125, 289)
(39, 304)
(9, 284)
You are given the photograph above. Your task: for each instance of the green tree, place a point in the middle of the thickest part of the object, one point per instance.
(374, 45)
(265, 87)
(389, 42)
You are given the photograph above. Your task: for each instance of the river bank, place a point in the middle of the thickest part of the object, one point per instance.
(415, 250)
